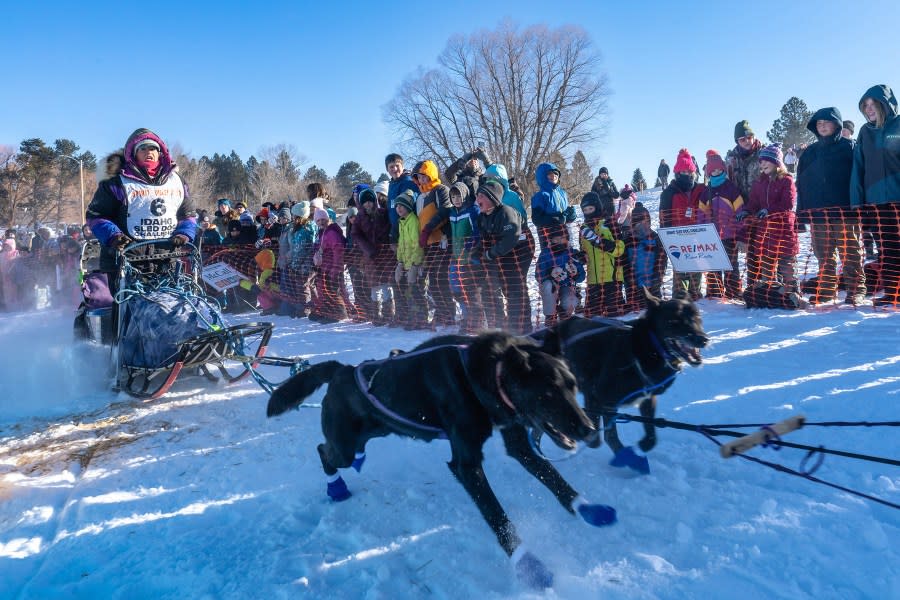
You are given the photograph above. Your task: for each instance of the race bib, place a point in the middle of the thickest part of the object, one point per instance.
(152, 208)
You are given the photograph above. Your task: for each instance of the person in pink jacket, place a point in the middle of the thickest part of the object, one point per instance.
(772, 234)
(332, 300)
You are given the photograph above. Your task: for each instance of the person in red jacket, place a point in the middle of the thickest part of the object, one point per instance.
(773, 236)
(679, 205)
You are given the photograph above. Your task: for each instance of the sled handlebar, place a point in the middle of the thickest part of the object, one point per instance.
(763, 436)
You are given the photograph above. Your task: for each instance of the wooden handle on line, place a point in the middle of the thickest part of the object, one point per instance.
(742, 444)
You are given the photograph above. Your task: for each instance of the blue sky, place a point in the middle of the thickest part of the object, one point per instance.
(217, 76)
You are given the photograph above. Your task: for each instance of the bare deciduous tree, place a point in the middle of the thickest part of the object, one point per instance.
(198, 175)
(523, 95)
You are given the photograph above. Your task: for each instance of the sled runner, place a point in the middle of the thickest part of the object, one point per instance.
(159, 324)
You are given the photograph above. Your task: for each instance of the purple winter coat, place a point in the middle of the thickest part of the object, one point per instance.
(719, 205)
(776, 232)
(331, 245)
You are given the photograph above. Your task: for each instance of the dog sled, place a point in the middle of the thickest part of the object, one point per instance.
(160, 324)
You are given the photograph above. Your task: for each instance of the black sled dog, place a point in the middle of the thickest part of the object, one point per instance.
(628, 363)
(461, 393)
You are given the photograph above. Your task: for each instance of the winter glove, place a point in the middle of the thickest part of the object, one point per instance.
(590, 235)
(557, 274)
(607, 245)
(179, 239)
(569, 214)
(119, 241)
(423, 238)
(762, 214)
(741, 216)
(481, 155)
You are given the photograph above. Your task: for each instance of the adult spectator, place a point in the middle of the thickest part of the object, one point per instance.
(221, 216)
(743, 160)
(848, 128)
(604, 186)
(790, 160)
(662, 174)
(823, 201)
(875, 181)
(468, 169)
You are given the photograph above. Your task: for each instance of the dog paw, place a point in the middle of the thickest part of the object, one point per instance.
(358, 461)
(337, 490)
(627, 457)
(532, 572)
(597, 515)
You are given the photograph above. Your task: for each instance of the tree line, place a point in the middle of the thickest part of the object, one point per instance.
(525, 95)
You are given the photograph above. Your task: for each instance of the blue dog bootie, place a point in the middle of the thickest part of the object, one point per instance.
(337, 489)
(627, 457)
(530, 570)
(597, 515)
(358, 461)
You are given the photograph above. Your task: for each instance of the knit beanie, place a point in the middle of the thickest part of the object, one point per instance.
(773, 155)
(714, 162)
(639, 213)
(367, 195)
(301, 209)
(591, 199)
(352, 212)
(684, 163)
(849, 126)
(146, 143)
(407, 201)
(493, 190)
(246, 217)
(603, 170)
(382, 187)
(284, 213)
(320, 214)
(626, 191)
(742, 129)
(317, 203)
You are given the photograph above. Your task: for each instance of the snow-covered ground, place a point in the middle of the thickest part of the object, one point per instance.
(198, 495)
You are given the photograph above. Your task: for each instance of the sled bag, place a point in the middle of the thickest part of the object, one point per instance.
(155, 324)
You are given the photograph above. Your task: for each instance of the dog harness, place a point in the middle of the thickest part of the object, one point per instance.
(365, 386)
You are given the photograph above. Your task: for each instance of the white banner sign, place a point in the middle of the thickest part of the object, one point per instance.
(221, 276)
(694, 248)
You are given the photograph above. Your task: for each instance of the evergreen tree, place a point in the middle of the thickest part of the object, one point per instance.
(314, 173)
(349, 174)
(580, 176)
(790, 128)
(638, 183)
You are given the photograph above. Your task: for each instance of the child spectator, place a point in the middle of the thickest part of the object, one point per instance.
(303, 236)
(773, 236)
(265, 286)
(719, 205)
(332, 299)
(550, 204)
(678, 207)
(557, 273)
(602, 250)
(410, 257)
(646, 256)
(465, 278)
